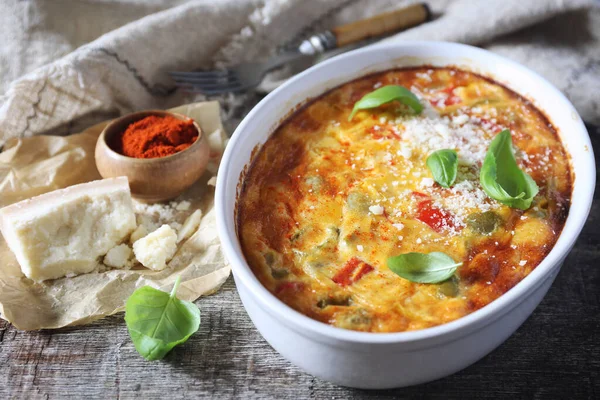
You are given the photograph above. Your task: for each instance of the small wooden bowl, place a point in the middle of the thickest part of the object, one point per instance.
(152, 179)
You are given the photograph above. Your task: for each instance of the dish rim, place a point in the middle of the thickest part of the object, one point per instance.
(476, 320)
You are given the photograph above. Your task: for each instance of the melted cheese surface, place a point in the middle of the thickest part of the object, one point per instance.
(327, 201)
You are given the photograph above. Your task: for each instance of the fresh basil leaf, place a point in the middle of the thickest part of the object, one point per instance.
(501, 177)
(387, 94)
(443, 165)
(423, 268)
(158, 321)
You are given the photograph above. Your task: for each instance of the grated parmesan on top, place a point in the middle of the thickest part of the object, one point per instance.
(430, 132)
(409, 141)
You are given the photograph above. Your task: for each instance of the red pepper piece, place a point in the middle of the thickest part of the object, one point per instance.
(352, 271)
(451, 100)
(437, 218)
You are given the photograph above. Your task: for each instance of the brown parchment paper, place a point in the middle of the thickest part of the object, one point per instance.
(40, 164)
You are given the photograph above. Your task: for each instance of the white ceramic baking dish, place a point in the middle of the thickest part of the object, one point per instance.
(386, 360)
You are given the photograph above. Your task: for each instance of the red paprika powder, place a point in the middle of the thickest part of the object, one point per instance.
(156, 136)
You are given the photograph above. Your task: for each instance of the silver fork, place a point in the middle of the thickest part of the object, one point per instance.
(249, 75)
(243, 77)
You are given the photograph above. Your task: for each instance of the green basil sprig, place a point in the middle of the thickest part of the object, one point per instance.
(387, 94)
(443, 165)
(423, 268)
(501, 177)
(158, 321)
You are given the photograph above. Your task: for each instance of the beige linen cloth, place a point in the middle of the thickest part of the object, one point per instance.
(66, 65)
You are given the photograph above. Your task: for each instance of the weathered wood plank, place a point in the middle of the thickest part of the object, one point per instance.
(555, 354)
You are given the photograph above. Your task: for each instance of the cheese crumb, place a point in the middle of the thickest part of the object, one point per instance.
(376, 210)
(442, 130)
(426, 182)
(522, 262)
(157, 248)
(460, 119)
(139, 233)
(419, 241)
(183, 206)
(398, 226)
(405, 151)
(360, 247)
(189, 226)
(118, 257)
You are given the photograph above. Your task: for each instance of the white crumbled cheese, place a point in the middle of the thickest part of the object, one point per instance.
(400, 237)
(175, 225)
(442, 129)
(432, 132)
(376, 209)
(118, 257)
(419, 241)
(460, 119)
(157, 248)
(139, 233)
(398, 226)
(523, 217)
(377, 85)
(65, 232)
(360, 247)
(382, 120)
(183, 206)
(189, 226)
(405, 151)
(522, 262)
(152, 216)
(427, 182)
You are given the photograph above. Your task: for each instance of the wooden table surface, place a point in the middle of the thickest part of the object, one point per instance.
(555, 354)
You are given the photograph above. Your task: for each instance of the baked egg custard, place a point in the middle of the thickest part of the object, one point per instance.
(404, 200)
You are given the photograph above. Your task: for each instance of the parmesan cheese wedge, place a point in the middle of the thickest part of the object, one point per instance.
(65, 232)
